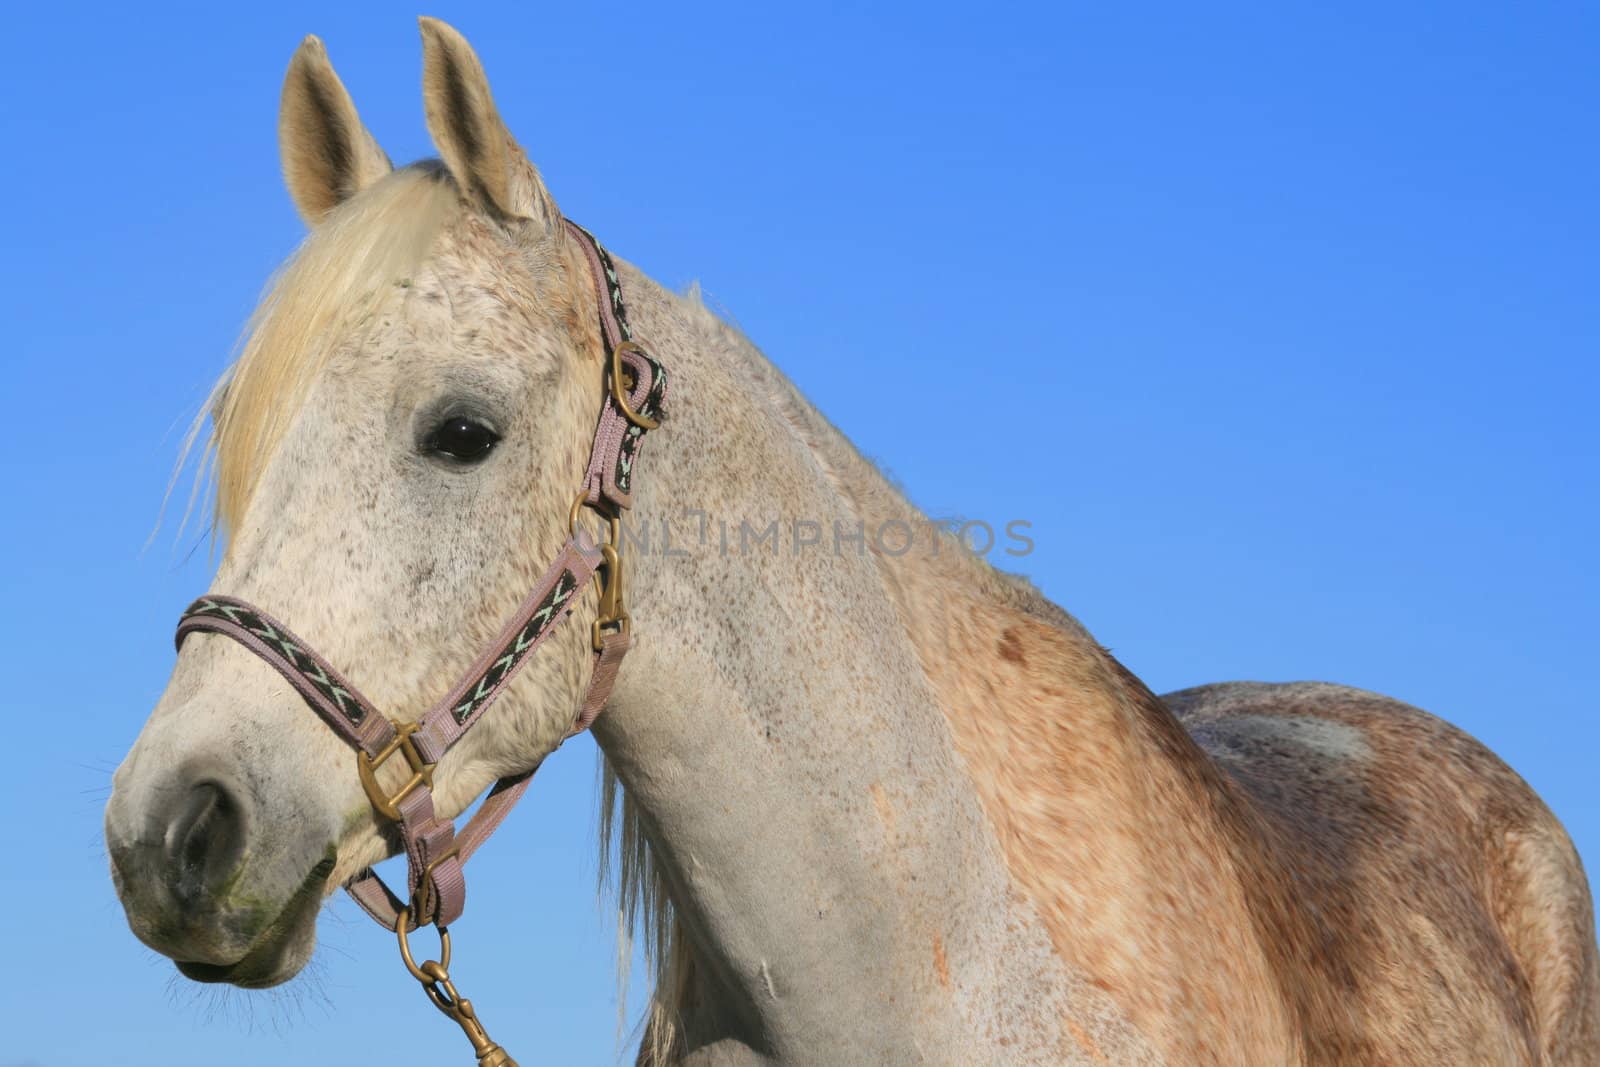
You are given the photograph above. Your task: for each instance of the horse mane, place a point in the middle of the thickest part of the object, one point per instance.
(645, 918)
(333, 281)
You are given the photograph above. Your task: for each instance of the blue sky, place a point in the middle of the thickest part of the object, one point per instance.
(1290, 316)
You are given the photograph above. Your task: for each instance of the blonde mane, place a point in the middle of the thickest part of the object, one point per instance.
(331, 284)
(645, 918)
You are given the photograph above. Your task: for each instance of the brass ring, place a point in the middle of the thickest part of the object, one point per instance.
(618, 397)
(613, 522)
(401, 922)
(572, 512)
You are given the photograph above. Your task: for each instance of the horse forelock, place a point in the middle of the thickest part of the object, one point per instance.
(327, 290)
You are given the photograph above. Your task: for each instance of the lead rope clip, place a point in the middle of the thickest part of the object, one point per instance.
(435, 978)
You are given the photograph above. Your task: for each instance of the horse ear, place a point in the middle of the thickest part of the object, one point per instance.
(482, 156)
(328, 155)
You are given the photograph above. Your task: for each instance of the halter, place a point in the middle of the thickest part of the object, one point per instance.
(636, 386)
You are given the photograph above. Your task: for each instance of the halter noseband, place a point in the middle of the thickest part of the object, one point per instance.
(636, 386)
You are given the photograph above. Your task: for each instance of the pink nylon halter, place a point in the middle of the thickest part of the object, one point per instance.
(435, 852)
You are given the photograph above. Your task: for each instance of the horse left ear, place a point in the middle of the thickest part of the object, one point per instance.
(482, 156)
(328, 155)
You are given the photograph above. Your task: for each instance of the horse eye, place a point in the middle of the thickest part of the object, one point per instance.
(462, 439)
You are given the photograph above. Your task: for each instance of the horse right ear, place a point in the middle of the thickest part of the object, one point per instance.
(328, 155)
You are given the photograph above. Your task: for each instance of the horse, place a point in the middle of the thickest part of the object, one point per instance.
(873, 806)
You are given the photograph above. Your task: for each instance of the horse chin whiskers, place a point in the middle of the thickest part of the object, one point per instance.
(280, 1009)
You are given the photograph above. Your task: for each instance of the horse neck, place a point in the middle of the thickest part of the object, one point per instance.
(914, 728)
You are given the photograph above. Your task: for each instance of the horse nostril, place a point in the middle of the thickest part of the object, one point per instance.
(203, 843)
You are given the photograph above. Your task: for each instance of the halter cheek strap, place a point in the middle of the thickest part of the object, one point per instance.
(436, 853)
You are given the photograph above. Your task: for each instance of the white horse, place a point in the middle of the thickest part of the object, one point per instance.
(880, 806)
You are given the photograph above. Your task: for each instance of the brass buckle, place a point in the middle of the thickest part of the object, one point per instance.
(388, 805)
(618, 395)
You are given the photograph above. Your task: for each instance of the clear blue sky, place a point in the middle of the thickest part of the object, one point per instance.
(1303, 305)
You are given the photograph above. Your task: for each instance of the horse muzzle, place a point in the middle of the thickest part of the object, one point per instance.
(182, 860)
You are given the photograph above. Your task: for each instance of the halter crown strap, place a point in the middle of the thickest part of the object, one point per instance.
(435, 852)
(620, 431)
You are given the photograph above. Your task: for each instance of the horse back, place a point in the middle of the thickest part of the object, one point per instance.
(1420, 902)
